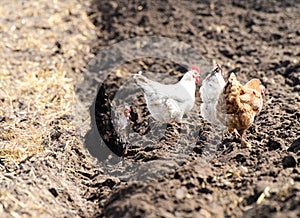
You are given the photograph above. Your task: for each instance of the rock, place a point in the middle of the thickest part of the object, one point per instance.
(55, 134)
(289, 162)
(181, 193)
(53, 192)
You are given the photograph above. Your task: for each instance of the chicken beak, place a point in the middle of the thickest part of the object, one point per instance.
(262, 90)
(129, 111)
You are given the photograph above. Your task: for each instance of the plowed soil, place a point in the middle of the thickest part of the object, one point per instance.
(69, 176)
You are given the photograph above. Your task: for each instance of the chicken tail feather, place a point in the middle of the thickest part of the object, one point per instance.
(143, 82)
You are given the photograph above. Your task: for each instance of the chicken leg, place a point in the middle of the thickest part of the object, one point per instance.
(241, 133)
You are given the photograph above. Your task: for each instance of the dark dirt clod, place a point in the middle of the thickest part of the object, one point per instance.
(273, 145)
(289, 161)
(295, 146)
(240, 158)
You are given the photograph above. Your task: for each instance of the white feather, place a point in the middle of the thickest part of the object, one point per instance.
(212, 87)
(168, 102)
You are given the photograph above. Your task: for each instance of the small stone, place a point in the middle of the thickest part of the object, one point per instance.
(140, 8)
(244, 169)
(55, 134)
(289, 162)
(53, 192)
(181, 193)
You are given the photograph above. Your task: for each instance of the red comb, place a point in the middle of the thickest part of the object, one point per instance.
(194, 67)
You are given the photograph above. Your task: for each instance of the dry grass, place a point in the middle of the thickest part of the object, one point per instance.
(44, 45)
(29, 105)
(40, 42)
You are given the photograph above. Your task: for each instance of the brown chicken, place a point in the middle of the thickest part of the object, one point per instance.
(230, 104)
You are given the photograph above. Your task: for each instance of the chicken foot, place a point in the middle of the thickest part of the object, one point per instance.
(240, 134)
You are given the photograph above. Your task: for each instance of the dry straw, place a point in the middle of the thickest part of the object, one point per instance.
(43, 47)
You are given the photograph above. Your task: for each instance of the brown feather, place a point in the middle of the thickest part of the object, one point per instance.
(238, 104)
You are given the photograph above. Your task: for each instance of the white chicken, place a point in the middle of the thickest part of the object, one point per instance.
(169, 102)
(210, 91)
